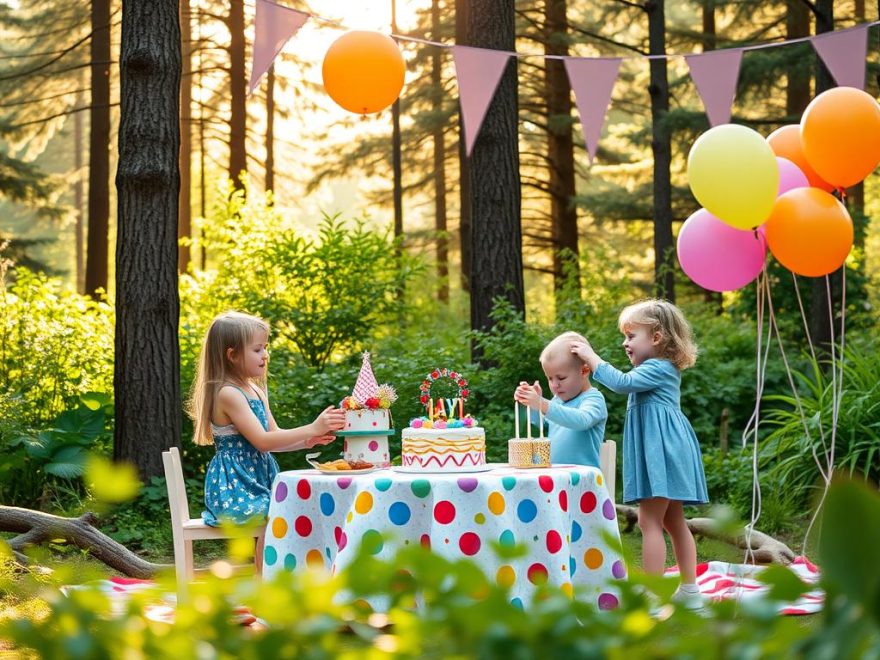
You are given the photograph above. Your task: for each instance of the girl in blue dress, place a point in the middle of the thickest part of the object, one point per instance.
(230, 410)
(662, 464)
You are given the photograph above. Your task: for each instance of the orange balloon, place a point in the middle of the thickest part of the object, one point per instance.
(809, 231)
(786, 143)
(840, 132)
(363, 71)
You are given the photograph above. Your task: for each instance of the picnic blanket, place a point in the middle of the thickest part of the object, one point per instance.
(721, 580)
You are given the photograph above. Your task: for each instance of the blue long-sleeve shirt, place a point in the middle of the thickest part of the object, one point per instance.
(576, 428)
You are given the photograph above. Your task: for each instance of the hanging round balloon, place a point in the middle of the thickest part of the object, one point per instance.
(840, 131)
(363, 71)
(717, 256)
(786, 143)
(809, 232)
(790, 176)
(733, 173)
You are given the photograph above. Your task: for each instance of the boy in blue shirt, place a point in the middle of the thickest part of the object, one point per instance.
(576, 414)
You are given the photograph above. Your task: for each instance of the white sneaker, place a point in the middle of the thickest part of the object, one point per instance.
(693, 601)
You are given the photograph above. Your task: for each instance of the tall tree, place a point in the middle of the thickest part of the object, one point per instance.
(439, 147)
(465, 210)
(496, 236)
(146, 379)
(238, 98)
(97, 251)
(184, 227)
(269, 181)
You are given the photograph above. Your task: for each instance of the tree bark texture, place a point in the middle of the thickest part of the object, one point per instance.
(35, 527)
(97, 250)
(560, 146)
(184, 229)
(438, 139)
(797, 88)
(710, 40)
(237, 95)
(79, 196)
(269, 182)
(464, 178)
(496, 238)
(146, 380)
(661, 147)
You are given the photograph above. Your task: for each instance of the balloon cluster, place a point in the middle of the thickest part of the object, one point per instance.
(777, 193)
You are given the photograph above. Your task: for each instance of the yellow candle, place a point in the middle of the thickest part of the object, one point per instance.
(431, 409)
(461, 408)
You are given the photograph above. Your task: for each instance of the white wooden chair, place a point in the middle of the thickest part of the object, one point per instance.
(608, 465)
(184, 529)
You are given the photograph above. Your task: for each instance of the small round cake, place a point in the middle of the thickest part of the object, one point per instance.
(367, 419)
(527, 453)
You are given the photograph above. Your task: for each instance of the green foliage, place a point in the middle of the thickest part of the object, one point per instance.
(788, 452)
(435, 608)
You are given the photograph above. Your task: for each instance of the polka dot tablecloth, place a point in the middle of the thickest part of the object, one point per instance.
(561, 514)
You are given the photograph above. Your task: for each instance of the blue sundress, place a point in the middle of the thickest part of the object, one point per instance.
(238, 483)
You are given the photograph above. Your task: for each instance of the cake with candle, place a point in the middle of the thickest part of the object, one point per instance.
(528, 452)
(446, 438)
(367, 419)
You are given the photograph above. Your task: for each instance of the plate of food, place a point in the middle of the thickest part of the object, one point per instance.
(340, 466)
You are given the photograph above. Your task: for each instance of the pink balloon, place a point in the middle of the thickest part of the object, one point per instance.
(717, 256)
(790, 176)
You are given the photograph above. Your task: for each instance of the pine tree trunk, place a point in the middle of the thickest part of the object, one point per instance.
(184, 229)
(560, 147)
(269, 183)
(146, 381)
(464, 177)
(99, 151)
(797, 89)
(710, 40)
(496, 236)
(438, 139)
(79, 196)
(664, 250)
(237, 95)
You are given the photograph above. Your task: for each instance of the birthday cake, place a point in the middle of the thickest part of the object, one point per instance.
(446, 439)
(367, 419)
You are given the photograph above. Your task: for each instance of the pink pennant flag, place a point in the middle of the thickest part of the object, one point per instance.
(592, 80)
(478, 72)
(844, 53)
(715, 73)
(366, 385)
(274, 26)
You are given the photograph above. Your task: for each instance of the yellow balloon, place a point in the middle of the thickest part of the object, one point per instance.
(733, 173)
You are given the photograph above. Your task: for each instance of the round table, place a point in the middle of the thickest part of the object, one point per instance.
(562, 514)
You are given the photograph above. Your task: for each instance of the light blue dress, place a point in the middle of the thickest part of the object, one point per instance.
(576, 427)
(661, 454)
(238, 483)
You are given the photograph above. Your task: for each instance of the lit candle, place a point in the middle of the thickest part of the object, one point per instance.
(461, 408)
(431, 409)
(540, 421)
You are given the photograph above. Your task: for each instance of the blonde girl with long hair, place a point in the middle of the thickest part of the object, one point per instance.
(662, 463)
(230, 410)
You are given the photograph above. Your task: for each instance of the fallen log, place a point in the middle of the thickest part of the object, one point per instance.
(765, 548)
(36, 527)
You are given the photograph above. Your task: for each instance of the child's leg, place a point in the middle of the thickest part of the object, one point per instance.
(258, 554)
(651, 513)
(682, 542)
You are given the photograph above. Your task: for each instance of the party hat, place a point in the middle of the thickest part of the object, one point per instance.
(366, 385)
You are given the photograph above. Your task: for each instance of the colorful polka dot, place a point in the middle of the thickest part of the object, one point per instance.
(517, 603)
(425, 541)
(572, 566)
(537, 574)
(576, 532)
(303, 526)
(608, 601)
(508, 482)
(328, 505)
(563, 500)
(420, 487)
(289, 562)
(575, 478)
(480, 518)
(593, 558)
(372, 541)
(303, 489)
(608, 510)
(341, 542)
(327, 552)
(337, 534)
(618, 569)
(444, 512)
(567, 589)
(383, 484)
(467, 484)
(270, 555)
(599, 479)
(507, 539)
(505, 577)
(363, 503)
(279, 528)
(496, 503)
(314, 559)
(526, 511)
(373, 446)
(281, 492)
(349, 517)
(546, 483)
(399, 513)
(343, 482)
(588, 502)
(469, 544)
(554, 542)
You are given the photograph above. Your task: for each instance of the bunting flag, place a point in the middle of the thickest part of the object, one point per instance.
(478, 72)
(366, 385)
(715, 74)
(592, 80)
(274, 26)
(844, 53)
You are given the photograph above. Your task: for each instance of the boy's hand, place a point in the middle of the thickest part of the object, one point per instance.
(528, 395)
(316, 440)
(332, 419)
